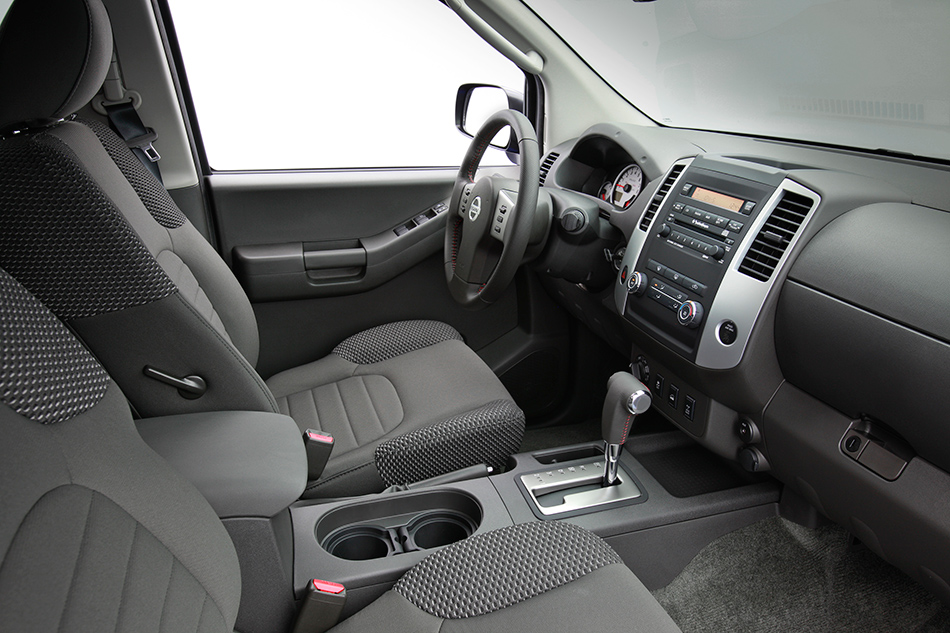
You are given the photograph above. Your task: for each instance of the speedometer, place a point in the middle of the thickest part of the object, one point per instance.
(627, 186)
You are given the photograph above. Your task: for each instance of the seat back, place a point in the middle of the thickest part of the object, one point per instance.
(97, 533)
(88, 230)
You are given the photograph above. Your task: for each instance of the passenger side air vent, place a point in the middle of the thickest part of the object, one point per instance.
(775, 235)
(546, 166)
(660, 196)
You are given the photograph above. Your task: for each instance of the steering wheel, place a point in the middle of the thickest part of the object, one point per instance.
(490, 220)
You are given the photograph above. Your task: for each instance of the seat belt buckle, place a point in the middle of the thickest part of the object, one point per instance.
(151, 153)
(321, 607)
(319, 445)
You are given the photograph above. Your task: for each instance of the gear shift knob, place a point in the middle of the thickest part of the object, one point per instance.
(627, 398)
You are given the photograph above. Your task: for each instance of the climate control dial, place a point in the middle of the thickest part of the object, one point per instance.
(636, 283)
(690, 314)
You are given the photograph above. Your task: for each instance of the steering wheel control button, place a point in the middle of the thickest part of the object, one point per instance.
(506, 201)
(637, 284)
(690, 314)
(728, 332)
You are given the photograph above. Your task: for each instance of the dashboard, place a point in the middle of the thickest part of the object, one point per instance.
(787, 306)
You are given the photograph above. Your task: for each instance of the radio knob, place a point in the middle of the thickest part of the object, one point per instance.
(690, 314)
(719, 252)
(665, 230)
(636, 284)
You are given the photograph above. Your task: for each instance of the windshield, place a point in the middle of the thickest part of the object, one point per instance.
(871, 74)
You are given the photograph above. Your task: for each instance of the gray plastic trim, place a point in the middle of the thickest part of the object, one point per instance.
(740, 298)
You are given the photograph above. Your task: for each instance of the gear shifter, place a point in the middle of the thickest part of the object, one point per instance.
(627, 398)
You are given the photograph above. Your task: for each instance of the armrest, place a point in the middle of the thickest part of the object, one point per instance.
(245, 463)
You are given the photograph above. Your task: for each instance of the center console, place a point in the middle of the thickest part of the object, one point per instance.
(698, 268)
(700, 263)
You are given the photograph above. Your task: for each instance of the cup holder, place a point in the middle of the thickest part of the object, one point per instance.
(363, 542)
(388, 527)
(435, 529)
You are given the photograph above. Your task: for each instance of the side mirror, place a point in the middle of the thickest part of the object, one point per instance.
(474, 103)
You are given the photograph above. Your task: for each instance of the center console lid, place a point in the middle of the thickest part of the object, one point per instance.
(245, 463)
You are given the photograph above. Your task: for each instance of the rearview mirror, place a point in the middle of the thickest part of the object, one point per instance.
(475, 103)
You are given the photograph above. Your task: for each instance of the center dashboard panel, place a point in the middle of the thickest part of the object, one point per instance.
(702, 259)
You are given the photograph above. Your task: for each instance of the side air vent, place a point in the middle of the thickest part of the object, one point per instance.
(546, 166)
(660, 196)
(775, 235)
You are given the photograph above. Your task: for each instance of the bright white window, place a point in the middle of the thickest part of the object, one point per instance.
(306, 84)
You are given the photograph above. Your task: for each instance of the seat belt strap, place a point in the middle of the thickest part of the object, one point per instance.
(119, 105)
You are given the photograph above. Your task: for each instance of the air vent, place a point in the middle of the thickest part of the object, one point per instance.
(660, 196)
(546, 166)
(775, 235)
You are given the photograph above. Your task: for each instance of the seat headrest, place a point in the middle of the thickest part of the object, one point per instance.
(54, 56)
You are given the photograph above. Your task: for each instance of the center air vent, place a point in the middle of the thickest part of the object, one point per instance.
(660, 196)
(546, 166)
(775, 236)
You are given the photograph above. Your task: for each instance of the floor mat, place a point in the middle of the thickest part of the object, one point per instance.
(776, 576)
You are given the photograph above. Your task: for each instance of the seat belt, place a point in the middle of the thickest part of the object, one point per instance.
(119, 105)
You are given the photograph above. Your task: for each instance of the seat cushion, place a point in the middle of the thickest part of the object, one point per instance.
(528, 577)
(380, 385)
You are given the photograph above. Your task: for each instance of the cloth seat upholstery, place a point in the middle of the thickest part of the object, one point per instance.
(88, 230)
(98, 533)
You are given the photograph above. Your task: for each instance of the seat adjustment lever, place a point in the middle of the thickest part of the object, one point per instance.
(190, 387)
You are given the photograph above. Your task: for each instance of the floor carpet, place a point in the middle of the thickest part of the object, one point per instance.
(776, 576)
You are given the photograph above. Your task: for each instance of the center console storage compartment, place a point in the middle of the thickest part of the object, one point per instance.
(396, 525)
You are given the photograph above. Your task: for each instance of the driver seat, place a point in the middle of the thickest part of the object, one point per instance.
(89, 231)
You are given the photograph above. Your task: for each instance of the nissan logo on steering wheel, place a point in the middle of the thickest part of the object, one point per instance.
(475, 209)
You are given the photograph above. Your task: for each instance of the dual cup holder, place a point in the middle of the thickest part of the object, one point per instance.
(392, 526)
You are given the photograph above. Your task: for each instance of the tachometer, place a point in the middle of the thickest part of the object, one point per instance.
(627, 186)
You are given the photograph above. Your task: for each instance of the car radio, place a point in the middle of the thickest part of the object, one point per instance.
(704, 215)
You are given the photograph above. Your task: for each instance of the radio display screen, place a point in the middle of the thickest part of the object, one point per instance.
(717, 199)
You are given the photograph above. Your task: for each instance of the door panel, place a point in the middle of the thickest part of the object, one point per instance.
(323, 255)
(296, 332)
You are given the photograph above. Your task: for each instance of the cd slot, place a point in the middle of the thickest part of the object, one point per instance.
(703, 228)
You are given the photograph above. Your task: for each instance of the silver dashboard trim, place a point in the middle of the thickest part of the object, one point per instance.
(638, 238)
(740, 298)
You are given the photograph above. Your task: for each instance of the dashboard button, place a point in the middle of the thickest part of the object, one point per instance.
(735, 226)
(747, 208)
(673, 396)
(656, 267)
(728, 332)
(656, 386)
(721, 221)
(694, 286)
(689, 407)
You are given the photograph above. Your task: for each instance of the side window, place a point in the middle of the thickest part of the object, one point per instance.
(316, 84)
